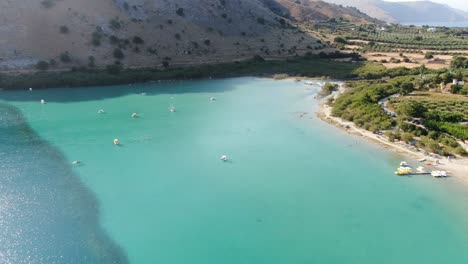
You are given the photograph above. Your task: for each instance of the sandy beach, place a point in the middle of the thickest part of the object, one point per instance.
(455, 167)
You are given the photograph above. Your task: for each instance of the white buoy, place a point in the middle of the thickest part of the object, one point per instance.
(224, 158)
(116, 141)
(43, 101)
(134, 115)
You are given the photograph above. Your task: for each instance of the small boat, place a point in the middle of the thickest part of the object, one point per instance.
(213, 99)
(116, 141)
(309, 83)
(439, 174)
(43, 101)
(404, 164)
(172, 109)
(101, 111)
(134, 115)
(76, 162)
(422, 160)
(30, 89)
(404, 171)
(224, 158)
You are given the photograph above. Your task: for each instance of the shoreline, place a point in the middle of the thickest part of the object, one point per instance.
(457, 168)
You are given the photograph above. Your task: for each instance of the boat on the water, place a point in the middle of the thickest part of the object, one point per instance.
(439, 174)
(404, 170)
(224, 158)
(404, 164)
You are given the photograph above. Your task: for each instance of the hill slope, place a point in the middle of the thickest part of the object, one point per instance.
(406, 12)
(66, 33)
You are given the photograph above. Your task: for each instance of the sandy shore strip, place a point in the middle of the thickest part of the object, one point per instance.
(455, 167)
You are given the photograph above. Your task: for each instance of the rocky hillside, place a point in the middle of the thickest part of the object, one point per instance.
(310, 11)
(407, 12)
(89, 33)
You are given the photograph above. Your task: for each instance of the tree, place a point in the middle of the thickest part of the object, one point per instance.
(91, 62)
(459, 62)
(118, 54)
(180, 11)
(411, 108)
(42, 65)
(429, 55)
(64, 30)
(65, 57)
(406, 88)
(137, 40)
(407, 137)
(340, 40)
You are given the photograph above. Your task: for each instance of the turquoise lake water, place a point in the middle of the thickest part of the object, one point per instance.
(296, 190)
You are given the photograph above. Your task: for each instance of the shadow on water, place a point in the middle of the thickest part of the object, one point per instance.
(47, 215)
(79, 94)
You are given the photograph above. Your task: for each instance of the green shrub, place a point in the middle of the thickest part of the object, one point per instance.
(118, 54)
(137, 40)
(42, 65)
(65, 57)
(64, 30)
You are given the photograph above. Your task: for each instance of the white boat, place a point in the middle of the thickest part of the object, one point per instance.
(172, 109)
(43, 101)
(224, 158)
(101, 111)
(309, 83)
(439, 174)
(134, 115)
(404, 164)
(116, 141)
(422, 160)
(213, 99)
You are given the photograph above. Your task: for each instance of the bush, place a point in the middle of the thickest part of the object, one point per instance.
(114, 68)
(137, 40)
(91, 62)
(340, 40)
(115, 24)
(429, 55)
(328, 89)
(207, 42)
(410, 108)
(407, 137)
(64, 30)
(180, 11)
(47, 3)
(118, 54)
(65, 57)
(42, 65)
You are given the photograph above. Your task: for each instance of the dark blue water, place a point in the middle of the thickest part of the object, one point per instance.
(46, 214)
